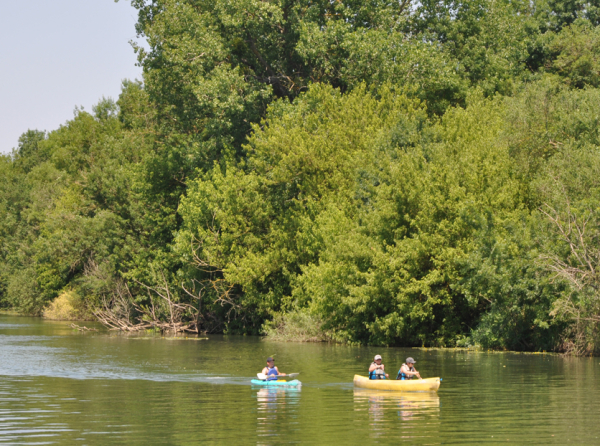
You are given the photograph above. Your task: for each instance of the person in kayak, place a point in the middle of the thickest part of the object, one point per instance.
(377, 369)
(271, 371)
(407, 371)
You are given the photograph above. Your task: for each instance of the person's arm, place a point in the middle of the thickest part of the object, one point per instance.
(408, 372)
(375, 367)
(264, 371)
(278, 372)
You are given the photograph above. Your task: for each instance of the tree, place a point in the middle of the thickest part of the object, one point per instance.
(557, 14)
(487, 39)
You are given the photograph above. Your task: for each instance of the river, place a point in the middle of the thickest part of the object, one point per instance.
(60, 386)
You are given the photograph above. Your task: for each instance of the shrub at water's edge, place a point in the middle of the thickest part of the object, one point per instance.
(296, 326)
(68, 306)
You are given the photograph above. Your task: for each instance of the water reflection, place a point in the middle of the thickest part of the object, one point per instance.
(388, 410)
(276, 410)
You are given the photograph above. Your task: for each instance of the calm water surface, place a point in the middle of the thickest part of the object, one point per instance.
(58, 386)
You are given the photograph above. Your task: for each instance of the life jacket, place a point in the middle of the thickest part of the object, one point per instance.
(376, 374)
(402, 375)
(271, 374)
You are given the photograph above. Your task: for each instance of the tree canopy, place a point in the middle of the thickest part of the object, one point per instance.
(373, 171)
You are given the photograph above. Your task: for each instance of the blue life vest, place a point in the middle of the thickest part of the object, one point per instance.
(402, 375)
(272, 374)
(375, 375)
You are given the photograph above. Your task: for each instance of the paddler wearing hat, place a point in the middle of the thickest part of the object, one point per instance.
(377, 369)
(271, 371)
(407, 371)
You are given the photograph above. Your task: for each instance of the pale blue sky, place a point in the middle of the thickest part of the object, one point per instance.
(58, 54)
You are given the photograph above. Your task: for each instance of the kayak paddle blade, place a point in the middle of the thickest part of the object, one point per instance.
(264, 377)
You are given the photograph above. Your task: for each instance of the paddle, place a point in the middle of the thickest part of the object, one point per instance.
(264, 377)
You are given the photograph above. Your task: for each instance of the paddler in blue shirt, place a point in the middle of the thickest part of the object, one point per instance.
(377, 369)
(407, 371)
(271, 371)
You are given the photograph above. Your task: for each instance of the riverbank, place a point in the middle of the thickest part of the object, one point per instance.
(481, 350)
(301, 332)
(4, 312)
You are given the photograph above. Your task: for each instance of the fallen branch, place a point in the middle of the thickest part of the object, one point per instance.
(83, 328)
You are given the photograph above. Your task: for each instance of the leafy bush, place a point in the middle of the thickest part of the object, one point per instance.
(68, 306)
(297, 326)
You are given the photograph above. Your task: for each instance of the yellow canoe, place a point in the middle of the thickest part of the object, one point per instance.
(412, 385)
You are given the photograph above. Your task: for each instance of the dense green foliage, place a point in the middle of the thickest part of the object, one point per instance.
(365, 171)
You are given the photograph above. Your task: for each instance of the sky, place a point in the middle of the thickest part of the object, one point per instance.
(59, 54)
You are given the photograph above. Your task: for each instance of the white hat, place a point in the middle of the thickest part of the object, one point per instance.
(377, 357)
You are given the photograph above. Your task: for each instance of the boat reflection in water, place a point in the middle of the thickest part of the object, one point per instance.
(276, 407)
(388, 410)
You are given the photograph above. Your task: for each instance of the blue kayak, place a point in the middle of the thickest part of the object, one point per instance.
(278, 383)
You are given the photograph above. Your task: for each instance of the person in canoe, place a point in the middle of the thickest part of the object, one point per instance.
(407, 371)
(377, 369)
(271, 371)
